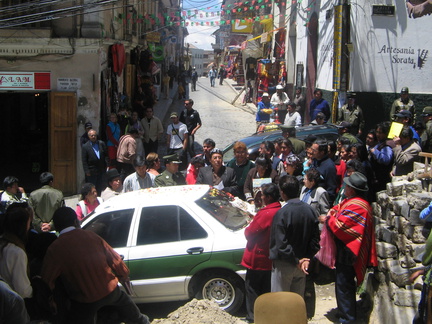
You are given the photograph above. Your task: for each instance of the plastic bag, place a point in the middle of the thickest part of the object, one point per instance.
(327, 253)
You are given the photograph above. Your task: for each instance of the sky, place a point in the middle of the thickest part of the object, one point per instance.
(199, 36)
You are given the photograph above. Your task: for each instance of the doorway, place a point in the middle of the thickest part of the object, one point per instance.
(24, 137)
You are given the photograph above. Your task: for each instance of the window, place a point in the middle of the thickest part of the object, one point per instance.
(113, 227)
(163, 224)
(218, 204)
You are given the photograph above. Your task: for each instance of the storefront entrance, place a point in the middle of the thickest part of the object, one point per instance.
(24, 137)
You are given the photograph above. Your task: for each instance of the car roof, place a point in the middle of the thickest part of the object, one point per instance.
(155, 196)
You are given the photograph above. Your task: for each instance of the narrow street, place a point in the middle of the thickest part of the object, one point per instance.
(225, 123)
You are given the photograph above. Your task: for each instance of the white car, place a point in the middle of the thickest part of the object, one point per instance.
(178, 242)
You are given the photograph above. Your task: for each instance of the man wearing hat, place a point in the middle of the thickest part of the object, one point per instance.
(280, 100)
(352, 113)
(177, 138)
(344, 130)
(351, 223)
(264, 109)
(402, 103)
(84, 137)
(404, 117)
(45, 201)
(114, 185)
(427, 135)
(171, 176)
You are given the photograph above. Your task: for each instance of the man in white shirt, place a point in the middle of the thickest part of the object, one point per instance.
(140, 179)
(177, 139)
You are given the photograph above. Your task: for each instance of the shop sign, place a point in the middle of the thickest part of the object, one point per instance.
(383, 10)
(241, 26)
(153, 37)
(25, 81)
(68, 84)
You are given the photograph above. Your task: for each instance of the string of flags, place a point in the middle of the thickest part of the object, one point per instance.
(192, 17)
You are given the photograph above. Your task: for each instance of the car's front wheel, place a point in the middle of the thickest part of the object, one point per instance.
(224, 288)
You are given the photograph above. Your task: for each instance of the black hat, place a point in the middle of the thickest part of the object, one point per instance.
(351, 95)
(405, 90)
(173, 158)
(357, 181)
(88, 125)
(112, 174)
(404, 114)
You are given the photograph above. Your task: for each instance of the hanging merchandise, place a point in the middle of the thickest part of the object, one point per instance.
(279, 47)
(282, 73)
(118, 58)
(158, 53)
(145, 61)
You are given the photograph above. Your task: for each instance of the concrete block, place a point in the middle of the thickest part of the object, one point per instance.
(414, 218)
(395, 189)
(385, 265)
(401, 208)
(383, 233)
(406, 297)
(382, 198)
(386, 250)
(404, 245)
(389, 216)
(376, 210)
(418, 250)
(407, 262)
(399, 276)
(419, 200)
(413, 186)
(417, 234)
(400, 224)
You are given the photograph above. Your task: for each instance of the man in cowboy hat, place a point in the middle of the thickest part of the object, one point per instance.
(351, 223)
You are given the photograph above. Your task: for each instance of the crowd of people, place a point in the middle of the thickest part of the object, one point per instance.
(297, 187)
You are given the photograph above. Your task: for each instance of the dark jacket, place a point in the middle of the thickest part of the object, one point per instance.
(90, 161)
(327, 169)
(294, 233)
(205, 176)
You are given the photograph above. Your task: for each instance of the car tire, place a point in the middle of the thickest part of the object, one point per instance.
(226, 289)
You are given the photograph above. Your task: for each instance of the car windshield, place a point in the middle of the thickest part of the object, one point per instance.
(219, 205)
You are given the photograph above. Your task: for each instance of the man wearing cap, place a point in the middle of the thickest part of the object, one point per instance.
(191, 118)
(318, 104)
(95, 159)
(84, 137)
(280, 100)
(300, 102)
(140, 179)
(114, 185)
(264, 109)
(289, 132)
(353, 114)
(45, 201)
(351, 223)
(404, 117)
(427, 135)
(344, 130)
(402, 103)
(171, 176)
(177, 138)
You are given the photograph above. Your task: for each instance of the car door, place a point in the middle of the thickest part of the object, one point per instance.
(169, 243)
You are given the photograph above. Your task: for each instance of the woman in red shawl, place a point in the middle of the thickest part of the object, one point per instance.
(351, 223)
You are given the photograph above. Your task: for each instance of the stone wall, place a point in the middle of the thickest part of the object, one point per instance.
(400, 245)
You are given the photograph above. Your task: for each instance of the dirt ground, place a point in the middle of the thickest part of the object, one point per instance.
(207, 312)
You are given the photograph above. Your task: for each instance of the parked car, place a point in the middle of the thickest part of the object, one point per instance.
(179, 243)
(328, 132)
